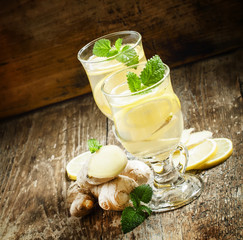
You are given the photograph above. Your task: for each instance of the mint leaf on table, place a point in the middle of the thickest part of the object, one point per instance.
(152, 73)
(126, 55)
(135, 200)
(94, 145)
(143, 208)
(134, 216)
(131, 219)
(144, 193)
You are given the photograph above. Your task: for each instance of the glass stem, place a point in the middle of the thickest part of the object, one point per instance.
(168, 174)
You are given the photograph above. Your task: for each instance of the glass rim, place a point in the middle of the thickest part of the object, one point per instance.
(106, 36)
(133, 93)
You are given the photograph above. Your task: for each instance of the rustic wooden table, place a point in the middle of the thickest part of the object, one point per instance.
(35, 148)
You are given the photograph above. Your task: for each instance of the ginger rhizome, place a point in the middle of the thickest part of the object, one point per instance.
(112, 190)
(114, 195)
(80, 202)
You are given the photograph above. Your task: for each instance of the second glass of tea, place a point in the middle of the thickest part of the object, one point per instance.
(99, 68)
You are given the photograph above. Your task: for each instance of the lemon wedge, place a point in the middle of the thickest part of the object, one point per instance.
(75, 165)
(224, 151)
(200, 153)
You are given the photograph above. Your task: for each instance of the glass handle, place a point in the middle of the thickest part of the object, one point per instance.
(181, 167)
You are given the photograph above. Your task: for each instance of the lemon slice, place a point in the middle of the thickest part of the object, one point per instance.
(224, 151)
(75, 165)
(200, 153)
(186, 135)
(198, 137)
(141, 119)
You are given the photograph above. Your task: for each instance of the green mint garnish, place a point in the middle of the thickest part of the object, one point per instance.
(102, 48)
(94, 145)
(152, 73)
(134, 216)
(125, 54)
(133, 81)
(118, 44)
(128, 56)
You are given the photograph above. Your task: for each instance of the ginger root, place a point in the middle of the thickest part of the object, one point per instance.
(79, 201)
(104, 165)
(138, 171)
(111, 193)
(114, 195)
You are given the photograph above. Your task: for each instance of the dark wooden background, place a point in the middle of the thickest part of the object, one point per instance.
(39, 40)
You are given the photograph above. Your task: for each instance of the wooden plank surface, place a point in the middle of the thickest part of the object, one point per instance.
(35, 148)
(39, 41)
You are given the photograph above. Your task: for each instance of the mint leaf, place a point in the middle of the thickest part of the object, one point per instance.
(93, 145)
(125, 48)
(133, 81)
(135, 200)
(134, 216)
(143, 208)
(112, 53)
(102, 47)
(143, 192)
(128, 56)
(130, 219)
(118, 44)
(153, 71)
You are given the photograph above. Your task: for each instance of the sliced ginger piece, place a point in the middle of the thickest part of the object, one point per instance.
(109, 161)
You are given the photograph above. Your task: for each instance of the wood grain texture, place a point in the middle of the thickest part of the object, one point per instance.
(36, 147)
(39, 41)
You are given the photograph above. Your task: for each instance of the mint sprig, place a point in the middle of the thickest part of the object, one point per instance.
(133, 81)
(94, 145)
(102, 48)
(128, 56)
(152, 73)
(134, 216)
(125, 54)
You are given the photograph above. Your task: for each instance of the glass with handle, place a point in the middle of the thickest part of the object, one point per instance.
(149, 124)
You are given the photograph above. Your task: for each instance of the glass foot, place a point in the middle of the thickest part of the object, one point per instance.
(172, 196)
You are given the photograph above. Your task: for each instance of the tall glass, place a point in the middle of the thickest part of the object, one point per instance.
(149, 124)
(98, 68)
